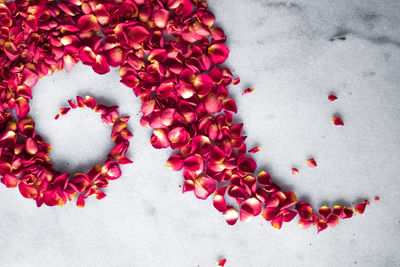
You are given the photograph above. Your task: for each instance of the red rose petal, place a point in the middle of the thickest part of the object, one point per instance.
(311, 163)
(221, 262)
(360, 208)
(250, 207)
(203, 187)
(332, 97)
(254, 149)
(218, 53)
(295, 171)
(337, 121)
(247, 91)
(231, 215)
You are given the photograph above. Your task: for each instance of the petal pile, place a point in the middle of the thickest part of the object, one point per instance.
(169, 52)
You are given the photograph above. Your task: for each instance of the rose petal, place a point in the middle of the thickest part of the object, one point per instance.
(270, 213)
(337, 121)
(295, 171)
(31, 146)
(231, 215)
(247, 165)
(194, 163)
(159, 139)
(332, 220)
(136, 34)
(203, 187)
(221, 262)
(219, 199)
(324, 211)
(10, 181)
(247, 91)
(80, 202)
(218, 53)
(311, 163)
(304, 223)
(332, 97)
(22, 107)
(264, 178)
(360, 208)
(254, 149)
(27, 191)
(304, 210)
(175, 162)
(203, 84)
(250, 207)
(321, 225)
(101, 65)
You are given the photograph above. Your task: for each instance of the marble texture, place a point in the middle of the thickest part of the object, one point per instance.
(294, 53)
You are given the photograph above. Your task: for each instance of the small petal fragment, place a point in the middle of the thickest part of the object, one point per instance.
(337, 121)
(247, 91)
(332, 97)
(311, 163)
(254, 149)
(221, 262)
(295, 171)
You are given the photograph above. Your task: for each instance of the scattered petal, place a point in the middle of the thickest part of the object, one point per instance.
(337, 121)
(311, 163)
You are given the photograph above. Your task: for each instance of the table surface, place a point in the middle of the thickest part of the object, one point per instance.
(294, 55)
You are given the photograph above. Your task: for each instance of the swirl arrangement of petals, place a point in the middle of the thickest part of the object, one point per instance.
(170, 53)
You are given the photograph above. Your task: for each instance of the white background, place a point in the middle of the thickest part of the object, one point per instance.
(283, 50)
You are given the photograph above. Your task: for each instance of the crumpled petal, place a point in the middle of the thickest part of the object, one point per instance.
(311, 163)
(337, 121)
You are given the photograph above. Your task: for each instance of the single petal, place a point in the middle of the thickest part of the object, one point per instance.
(218, 53)
(178, 137)
(337, 121)
(270, 213)
(213, 104)
(332, 220)
(203, 187)
(88, 23)
(264, 178)
(321, 225)
(160, 17)
(221, 262)
(254, 149)
(304, 223)
(360, 208)
(10, 181)
(175, 162)
(148, 107)
(27, 191)
(112, 170)
(347, 213)
(290, 200)
(247, 91)
(203, 84)
(231, 215)
(277, 222)
(295, 171)
(247, 165)
(376, 198)
(288, 215)
(22, 107)
(80, 202)
(194, 163)
(136, 34)
(332, 97)
(236, 81)
(31, 146)
(250, 207)
(101, 65)
(337, 210)
(324, 212)
(229, 105)
(311, 163)
(219, 199)
(304, 210)
(159, 139)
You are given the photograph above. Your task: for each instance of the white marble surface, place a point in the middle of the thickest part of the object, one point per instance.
(283, 50)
